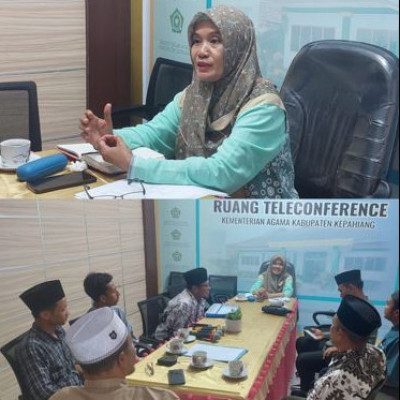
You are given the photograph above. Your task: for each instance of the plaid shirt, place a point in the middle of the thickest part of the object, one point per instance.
(183, 310)
(46, 363)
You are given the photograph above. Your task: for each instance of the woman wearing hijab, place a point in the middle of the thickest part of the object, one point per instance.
(275, 281)
(226, 131)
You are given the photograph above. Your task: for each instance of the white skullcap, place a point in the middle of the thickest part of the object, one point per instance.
(96, 336)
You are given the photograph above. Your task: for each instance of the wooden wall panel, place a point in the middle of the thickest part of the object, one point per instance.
(45, 41)
(43, 240)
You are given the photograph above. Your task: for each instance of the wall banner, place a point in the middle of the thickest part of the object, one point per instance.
(320, 237)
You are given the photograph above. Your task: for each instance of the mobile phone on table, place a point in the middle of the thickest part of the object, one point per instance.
(176, 377)
(57, 182)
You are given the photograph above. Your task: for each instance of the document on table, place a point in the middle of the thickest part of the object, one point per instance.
(121, 189)
(218, 353)
(218, 310)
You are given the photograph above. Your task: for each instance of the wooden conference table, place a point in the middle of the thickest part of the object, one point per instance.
(11, 188)
(270, 360)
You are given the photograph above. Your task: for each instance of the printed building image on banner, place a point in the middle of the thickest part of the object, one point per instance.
(321, 238)
(171, 20)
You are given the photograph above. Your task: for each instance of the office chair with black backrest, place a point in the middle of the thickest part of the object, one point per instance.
(222, 288)
(151, 311)
(342, 101)
(9, 352)
(168, 78)
(289, 268)
(176, 284)
(19, 113)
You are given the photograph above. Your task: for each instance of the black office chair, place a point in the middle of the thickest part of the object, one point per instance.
(176, 284)
(222, 288)
(324, 326)
(19, 113)
(9, 352)
(151, 311)
(168, 78)
(342, 101)
(289, 268)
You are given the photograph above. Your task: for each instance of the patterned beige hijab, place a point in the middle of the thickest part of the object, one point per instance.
(275, 283)
(210, 108)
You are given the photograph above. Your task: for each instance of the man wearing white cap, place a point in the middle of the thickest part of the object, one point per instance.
(187, 307)
(102, 346)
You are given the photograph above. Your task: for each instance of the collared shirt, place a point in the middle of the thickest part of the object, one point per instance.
(390, 345)
(183, 310)
(46, 362)
(112, 389)
(351, 375)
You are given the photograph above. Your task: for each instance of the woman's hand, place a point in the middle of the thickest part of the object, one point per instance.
(114, 151)
(261, 294)
(93, 128)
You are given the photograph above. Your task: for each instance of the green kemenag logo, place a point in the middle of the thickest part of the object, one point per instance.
(177, 256)
(175, 234)
(175, 213)
(176, 21)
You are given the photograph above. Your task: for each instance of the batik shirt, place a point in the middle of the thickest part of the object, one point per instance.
(46, 363)
(351, 375)
(183, 310)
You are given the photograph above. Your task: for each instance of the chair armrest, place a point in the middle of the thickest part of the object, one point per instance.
(325, 313)
(382, 191)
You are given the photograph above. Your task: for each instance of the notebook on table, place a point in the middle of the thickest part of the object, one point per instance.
(218, 310)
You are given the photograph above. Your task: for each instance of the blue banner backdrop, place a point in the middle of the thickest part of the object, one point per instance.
(320, 237)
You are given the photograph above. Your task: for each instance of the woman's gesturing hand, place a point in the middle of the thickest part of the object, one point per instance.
(93, 128)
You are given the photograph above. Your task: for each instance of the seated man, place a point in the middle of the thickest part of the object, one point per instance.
(390, 345)
(46, 362)
(187, 307)
(102, 290)
(314, 354)
(102, 346)
(358, 367)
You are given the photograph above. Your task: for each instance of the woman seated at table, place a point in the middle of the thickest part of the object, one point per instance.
(226, 131)
(275, 281)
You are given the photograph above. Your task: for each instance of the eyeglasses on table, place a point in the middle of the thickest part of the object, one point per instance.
(124, 196)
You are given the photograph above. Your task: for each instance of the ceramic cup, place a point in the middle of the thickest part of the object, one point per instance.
(235, 367)
(183, 333)
(15, 152)
(176, 345)
(199, 358)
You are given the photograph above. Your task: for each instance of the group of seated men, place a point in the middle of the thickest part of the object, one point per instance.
(91, 359)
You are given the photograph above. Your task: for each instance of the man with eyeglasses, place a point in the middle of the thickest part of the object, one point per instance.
(187, 307)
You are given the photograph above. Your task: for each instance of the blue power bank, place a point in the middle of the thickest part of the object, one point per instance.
(43, 167)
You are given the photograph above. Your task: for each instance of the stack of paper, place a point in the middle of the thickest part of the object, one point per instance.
(217, 352)
(122, 189)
